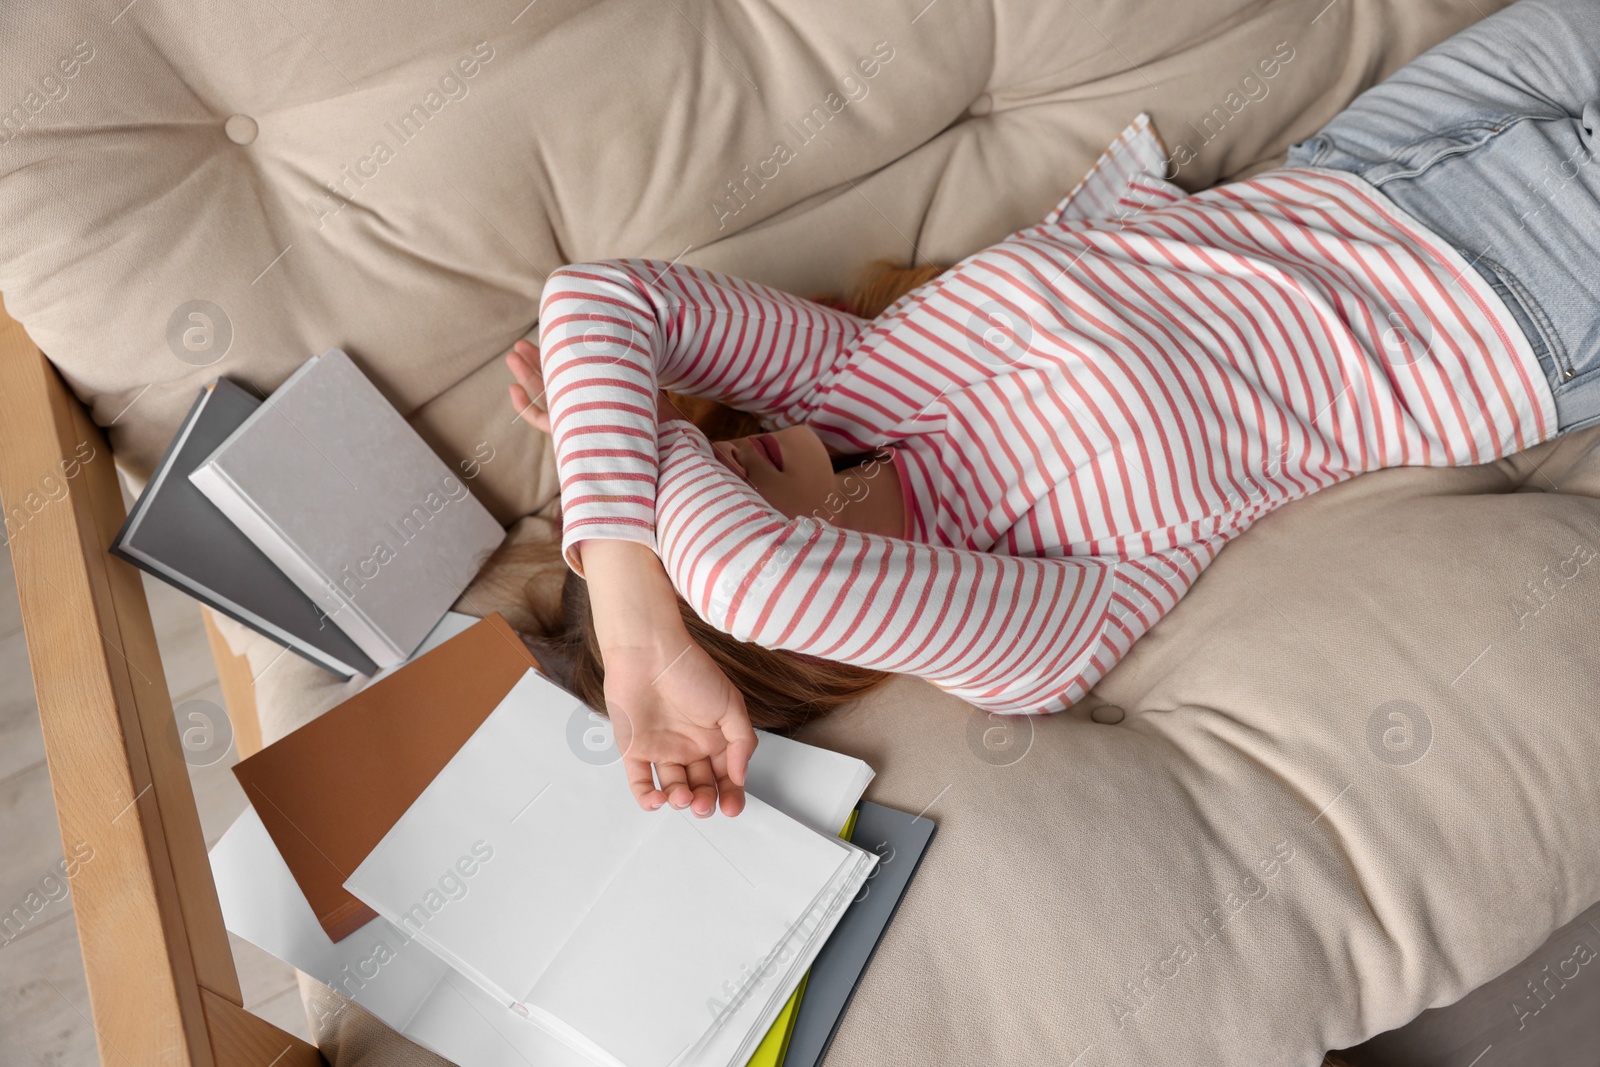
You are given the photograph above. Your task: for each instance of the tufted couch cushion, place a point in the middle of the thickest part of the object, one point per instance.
(398, 178)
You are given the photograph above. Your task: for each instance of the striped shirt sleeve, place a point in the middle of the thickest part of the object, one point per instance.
(1006, 633)
(612, 334)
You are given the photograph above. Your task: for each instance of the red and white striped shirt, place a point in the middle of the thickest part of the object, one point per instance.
(1081, 417)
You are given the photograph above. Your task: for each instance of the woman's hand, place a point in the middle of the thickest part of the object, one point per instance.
(527, 393)
(670, 705)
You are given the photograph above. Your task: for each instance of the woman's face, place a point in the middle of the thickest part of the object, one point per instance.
(790, 468)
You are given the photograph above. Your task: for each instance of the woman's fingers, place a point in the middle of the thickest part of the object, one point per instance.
(703, 785)
(523, 359)
(730, 793)
(527, 395)
(531, 413)
(523, 362)
(731, 764)
(740, 737)
(643, 784)
(675, 784)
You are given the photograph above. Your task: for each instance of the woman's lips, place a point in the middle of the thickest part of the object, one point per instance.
(768, 446)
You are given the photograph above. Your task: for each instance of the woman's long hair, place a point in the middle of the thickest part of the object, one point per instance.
(782, 690)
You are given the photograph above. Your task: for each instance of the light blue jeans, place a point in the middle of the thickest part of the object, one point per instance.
(1490, 140)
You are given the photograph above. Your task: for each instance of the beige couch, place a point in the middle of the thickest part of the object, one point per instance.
(1241, 863)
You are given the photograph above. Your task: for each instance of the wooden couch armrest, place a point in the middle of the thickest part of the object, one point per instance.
(162, 984)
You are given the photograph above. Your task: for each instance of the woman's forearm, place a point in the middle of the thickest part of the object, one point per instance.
(631, 598)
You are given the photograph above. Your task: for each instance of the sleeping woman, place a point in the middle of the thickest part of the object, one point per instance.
(1005, 479)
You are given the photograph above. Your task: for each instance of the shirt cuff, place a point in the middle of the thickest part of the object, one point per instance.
(602, 530)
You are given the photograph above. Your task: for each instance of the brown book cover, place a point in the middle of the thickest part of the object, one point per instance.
(331, 790)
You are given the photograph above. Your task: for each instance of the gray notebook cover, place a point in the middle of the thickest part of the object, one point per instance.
(338, 490)
(899, 840)
(176, 534)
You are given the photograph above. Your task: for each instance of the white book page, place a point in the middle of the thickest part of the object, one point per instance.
(818, 786)
(748, 1020)
(686, 929)
(497, 862)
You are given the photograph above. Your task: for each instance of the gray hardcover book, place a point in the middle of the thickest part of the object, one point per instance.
(350, 502)
(176, 534)
(899, 841)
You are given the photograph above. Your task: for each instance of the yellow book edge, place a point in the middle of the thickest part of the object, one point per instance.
(775, 1046)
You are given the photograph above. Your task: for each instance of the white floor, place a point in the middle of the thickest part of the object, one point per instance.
(44, 1005)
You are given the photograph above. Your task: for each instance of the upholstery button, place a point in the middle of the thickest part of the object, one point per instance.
(981, 106)
(1108, 714)
(241, 129)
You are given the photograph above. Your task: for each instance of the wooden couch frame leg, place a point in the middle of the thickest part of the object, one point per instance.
(162, 985)
(238, 689)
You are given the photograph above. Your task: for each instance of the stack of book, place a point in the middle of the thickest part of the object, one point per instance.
(455, 849)
(318, 517)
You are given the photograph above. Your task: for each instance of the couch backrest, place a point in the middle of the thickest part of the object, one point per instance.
(192, 190)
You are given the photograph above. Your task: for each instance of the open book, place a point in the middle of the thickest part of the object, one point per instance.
(381, 968)
(631, 936)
